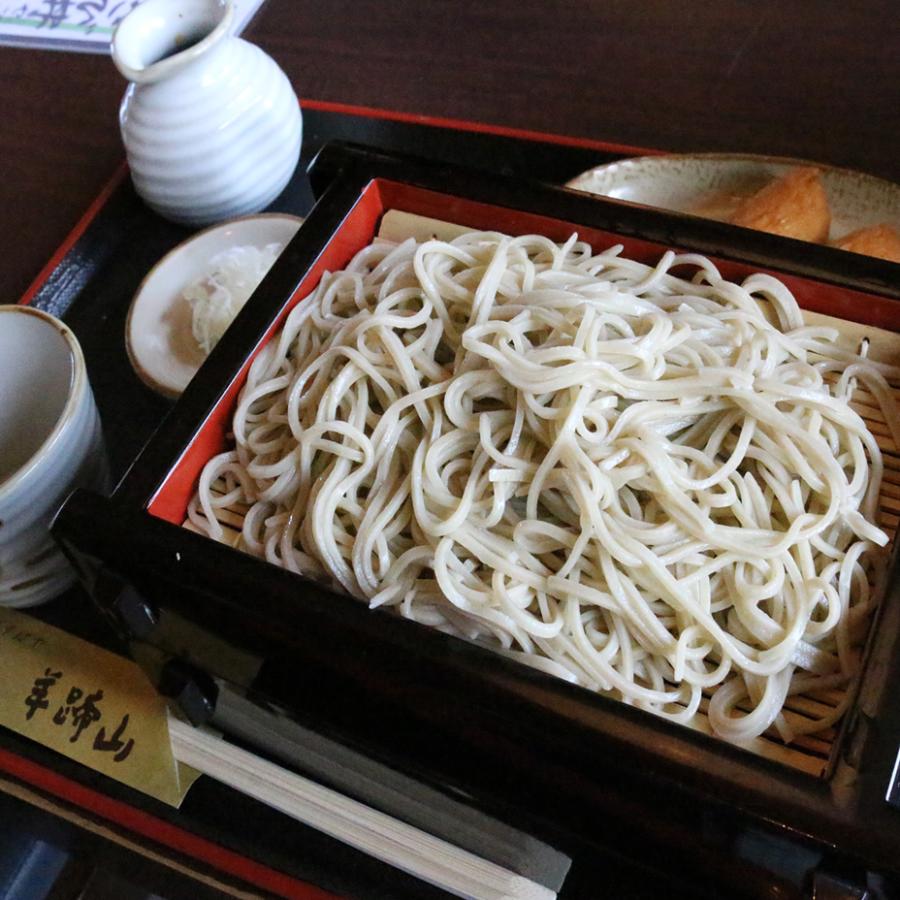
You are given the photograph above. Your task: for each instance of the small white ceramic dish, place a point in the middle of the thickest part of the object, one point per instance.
(158, 334)
(712, 185)
(50, 443)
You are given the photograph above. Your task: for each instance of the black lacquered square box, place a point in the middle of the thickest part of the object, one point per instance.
(237, 641)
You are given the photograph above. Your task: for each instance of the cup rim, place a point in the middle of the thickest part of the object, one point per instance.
(76, 390)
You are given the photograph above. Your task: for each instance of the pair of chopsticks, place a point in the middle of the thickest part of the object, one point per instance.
(424, 855)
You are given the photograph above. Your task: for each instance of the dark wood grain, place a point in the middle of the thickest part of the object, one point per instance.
(819, 80)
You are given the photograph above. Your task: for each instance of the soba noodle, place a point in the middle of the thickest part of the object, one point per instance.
(651, 486)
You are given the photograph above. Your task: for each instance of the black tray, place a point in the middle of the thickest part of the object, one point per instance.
(90, 286)
(500, 731)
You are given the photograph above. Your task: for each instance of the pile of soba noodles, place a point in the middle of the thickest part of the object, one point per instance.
(649, 483)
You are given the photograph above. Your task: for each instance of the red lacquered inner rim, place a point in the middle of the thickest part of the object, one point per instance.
(360, 227)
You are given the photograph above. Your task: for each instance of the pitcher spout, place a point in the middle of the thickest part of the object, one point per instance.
(161, 37)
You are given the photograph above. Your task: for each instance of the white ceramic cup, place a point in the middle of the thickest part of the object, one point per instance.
(50, 443)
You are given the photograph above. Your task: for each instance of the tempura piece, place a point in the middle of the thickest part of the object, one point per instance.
(881, 240)
(794, 206)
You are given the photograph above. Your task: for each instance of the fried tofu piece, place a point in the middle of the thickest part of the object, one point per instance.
(882, 241)
(794, 205)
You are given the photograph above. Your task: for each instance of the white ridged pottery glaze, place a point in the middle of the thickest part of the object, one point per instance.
(50, 443)
(210, 123)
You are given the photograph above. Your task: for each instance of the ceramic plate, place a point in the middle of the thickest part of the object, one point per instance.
(713, 184)
(158, 334)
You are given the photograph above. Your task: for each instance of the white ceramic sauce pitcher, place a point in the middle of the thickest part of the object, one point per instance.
(210, 123)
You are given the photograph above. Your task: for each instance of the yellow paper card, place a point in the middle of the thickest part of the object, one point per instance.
(88, 704)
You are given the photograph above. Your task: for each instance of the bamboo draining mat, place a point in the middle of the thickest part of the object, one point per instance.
(808, 753)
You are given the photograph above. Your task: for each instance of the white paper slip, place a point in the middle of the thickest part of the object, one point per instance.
(84, 26)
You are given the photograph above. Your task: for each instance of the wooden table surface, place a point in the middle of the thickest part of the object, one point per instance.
(813, 80)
